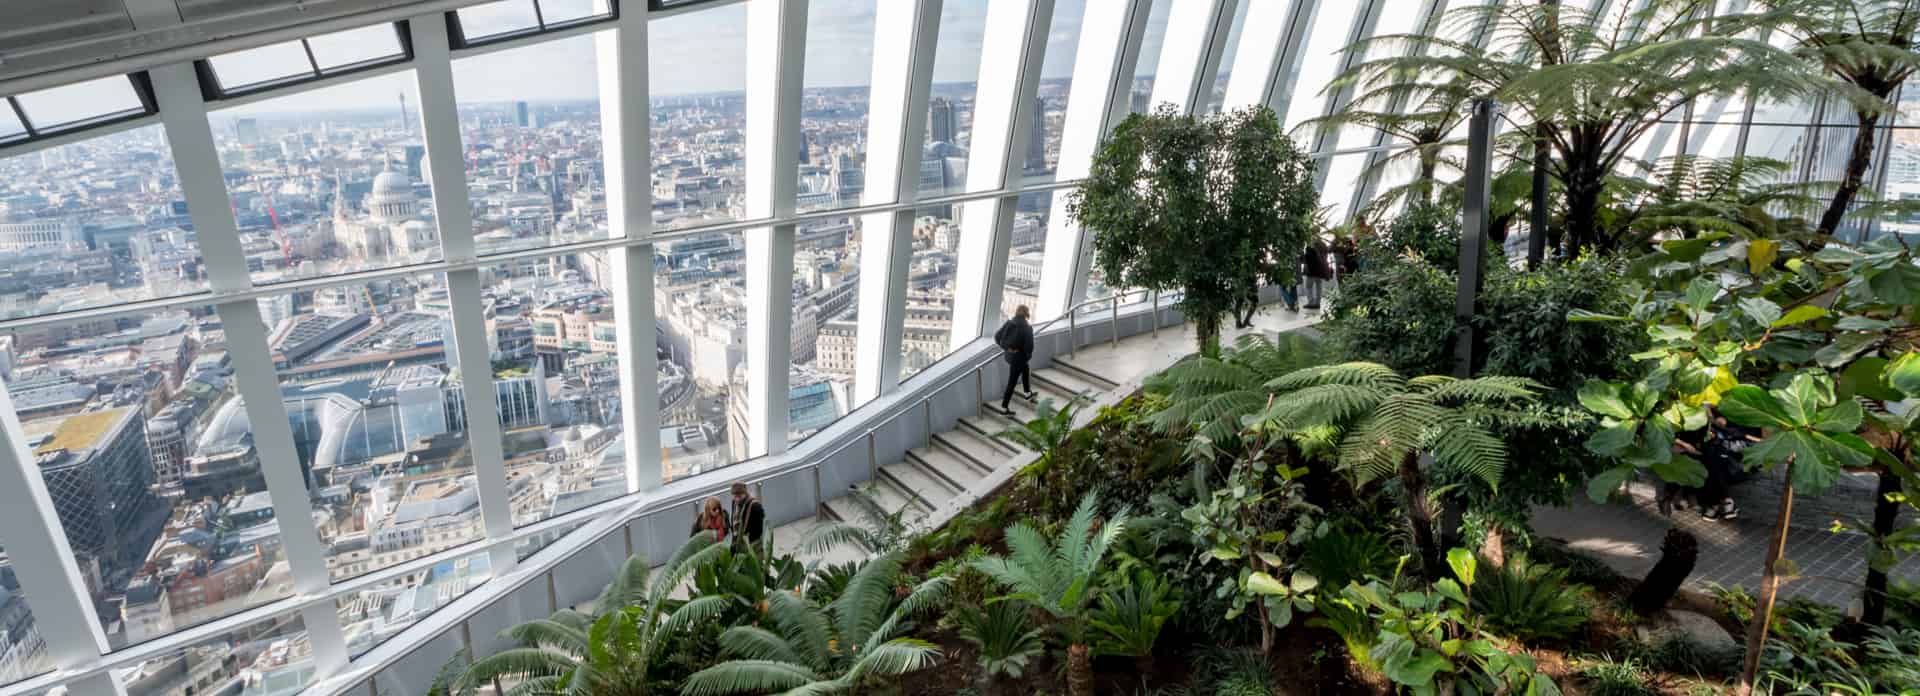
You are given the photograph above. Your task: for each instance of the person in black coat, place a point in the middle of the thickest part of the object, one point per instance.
(1015, 338)
(749, 517)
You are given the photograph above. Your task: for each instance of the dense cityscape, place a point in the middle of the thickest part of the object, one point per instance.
(146, 448)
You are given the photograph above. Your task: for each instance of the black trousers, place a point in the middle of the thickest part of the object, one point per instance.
(1017, 373)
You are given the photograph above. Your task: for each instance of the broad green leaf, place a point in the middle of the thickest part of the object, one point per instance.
(1271, 559)
(1804, 396)
(1898, 285)
(1844, 349)
(1274, 537)
(1451, 590)
(1855, 322)
(1463, 564)
(1800, 315)
(1686, 417)
(1843, 417)
(1605, 399)
(1866, 378)
(1688, 250)
(1612, 441)
(1761, 310)
(1223, 553)
(1603, 484)
(1682, 470)
(1264, 584)
(1303, 582)
(1904, 374)
(1753, 407)
(1760, 255)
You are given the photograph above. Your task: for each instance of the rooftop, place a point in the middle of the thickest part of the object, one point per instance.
(79, 432)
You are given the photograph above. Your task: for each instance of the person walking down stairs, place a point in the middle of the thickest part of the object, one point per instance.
(1015, 339)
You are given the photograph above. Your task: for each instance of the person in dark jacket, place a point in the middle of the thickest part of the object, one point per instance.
(1015, 338)
(1314, 269)
(749, 517)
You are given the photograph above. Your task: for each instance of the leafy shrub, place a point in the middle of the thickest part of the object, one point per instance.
(978, 525)
(1606, 676)
(970, 586)
(1682, 655)
(1234, 672)
(1428, 230)
(1117, 454)
(829, 581)
(1528, 600)
(1348, 552)
(1131, 613)
(1007, 640)
(1735, 602)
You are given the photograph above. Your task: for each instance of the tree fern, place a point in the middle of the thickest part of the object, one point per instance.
(1209, 396)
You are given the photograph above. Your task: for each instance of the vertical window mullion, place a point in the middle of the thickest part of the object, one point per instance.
(1103, 68)
(183, 110)
(446, 175)
(626, 141)
(904, 39)
(776, 53)
(1190, 55)
(1010, 58)
(1429, 24)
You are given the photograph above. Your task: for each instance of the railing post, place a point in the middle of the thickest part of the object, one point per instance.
(979, 392)
(873, 458)
(1156, 314)
(819, 503)
(1113, 328)
(626, 532)
(553, 596)
(927, 414)
(1073, 330)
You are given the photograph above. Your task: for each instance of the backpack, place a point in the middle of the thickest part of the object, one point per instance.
(1004, 336)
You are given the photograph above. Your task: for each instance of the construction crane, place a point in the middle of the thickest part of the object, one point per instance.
(286, 245)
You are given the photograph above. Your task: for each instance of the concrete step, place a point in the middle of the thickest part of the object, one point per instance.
(990, 423)
(956, 469)
(981, 450)
(1067, 383)
(1102, 382)
(890, 497)
(926, 485)
(790, 537)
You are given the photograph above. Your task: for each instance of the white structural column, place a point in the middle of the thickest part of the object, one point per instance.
(258, 384)
(776, 53)
(472, 363)
(1190, 54)
(1010, 56)
(1110, 36)
(1266, 61)
(904, 34)
(625, 127)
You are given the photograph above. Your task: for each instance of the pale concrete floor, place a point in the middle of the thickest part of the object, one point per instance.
(1138, 356)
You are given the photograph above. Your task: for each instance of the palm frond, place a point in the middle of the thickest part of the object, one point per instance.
(756, 643)
(747, 676)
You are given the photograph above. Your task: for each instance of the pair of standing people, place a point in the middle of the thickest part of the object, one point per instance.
(748, 520)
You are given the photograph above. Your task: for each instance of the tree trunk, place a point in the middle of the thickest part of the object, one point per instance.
(1769, 589)
(1678, 554)
(1583, 213)
(1266, 629)
(1858, 160)
(1886, 512)
(1413, 483)
(1207, 330)
(1079, 670)
(1143, 665)
(1493, 551)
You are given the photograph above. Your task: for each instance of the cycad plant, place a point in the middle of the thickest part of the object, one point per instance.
(1060, 577)
(854, 641)
(1387, 425)
(1130, 616)
(1007, 641)
(1588, 84)
(1210, 395)
(1866, 49)
(879, 530)
(610, 652)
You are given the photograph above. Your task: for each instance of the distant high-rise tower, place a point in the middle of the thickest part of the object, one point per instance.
(406, 125)
(1037, 139)
(247, 131)
(941, 122)
(522, 117)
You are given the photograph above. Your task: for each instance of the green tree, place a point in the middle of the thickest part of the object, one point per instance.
(1589, 85)
(1061, 577)
(613, 651)
(856, 640)
(1383, 424)
(1203, 206)
(1867, 50)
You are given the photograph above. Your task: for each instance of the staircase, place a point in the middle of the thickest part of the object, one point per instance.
(932, 474)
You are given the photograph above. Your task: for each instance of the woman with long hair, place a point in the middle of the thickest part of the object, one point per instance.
(712, 517)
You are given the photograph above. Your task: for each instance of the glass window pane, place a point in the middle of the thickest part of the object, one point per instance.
(496, 18)
(94, 223)
(1149, 61)
(271, 656)
(531, 121)
(956, 67)
(558, 11)
(80, 102)
(255, 66)
(331, 180)
(378, 418)
(696, 70)
(833, 109)
(826, 301)
(1343, 174)
(23, 652)
(556, 375)
(1396, 17)
(345, 48)
(1319, 63)
(701, 304)
(1056, 83)
(1027, 248)
(10, 125)
(370, 617)
(1229, 51)
(158, 487)
(930, 287)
